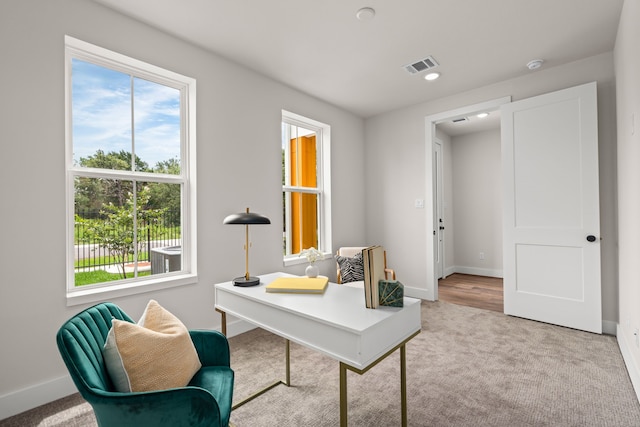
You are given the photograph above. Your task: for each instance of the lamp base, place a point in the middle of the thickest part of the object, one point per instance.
(244, 282)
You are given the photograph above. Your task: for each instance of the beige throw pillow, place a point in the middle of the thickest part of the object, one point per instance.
(155, 354)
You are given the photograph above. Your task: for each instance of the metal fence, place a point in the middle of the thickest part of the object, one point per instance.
(89, 254)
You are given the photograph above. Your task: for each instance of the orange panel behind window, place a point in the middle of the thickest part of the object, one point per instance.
(304, 220)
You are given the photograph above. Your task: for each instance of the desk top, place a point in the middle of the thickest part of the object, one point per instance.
(342, 306)
(336, 322)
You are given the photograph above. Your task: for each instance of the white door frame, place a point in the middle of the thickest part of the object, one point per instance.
(430, 135)
(439, 210)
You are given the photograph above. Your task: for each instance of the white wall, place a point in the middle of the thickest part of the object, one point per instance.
(398, 138)
(477, 203)
(235, 170)
(627, 70)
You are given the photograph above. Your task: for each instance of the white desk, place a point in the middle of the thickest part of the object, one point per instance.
(336, 323)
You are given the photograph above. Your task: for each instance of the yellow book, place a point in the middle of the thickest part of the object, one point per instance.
(299, 285)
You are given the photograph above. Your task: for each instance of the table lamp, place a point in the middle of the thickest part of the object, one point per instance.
(246, 218)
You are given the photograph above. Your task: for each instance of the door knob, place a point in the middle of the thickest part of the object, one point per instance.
(591, 238)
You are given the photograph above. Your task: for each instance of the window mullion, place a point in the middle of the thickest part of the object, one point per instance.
(133, 124)
(135, 229)
(293, 188)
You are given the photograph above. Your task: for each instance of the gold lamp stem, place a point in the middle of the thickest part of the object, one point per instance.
(246, 249)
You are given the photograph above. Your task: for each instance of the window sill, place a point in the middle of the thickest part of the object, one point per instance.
(85, 296)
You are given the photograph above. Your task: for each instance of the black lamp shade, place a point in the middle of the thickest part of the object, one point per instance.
(246, 218)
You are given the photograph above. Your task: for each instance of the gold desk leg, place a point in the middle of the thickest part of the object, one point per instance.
(403, 384)
(287, 359)
(260, 392)
(343, 395)
(403, 381)
(287, 365)
(223, 321)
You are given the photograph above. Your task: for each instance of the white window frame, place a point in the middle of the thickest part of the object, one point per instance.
(78, 49)
(323, 188)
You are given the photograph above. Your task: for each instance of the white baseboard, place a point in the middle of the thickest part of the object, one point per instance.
(632, 367)
(489, 272)
(28, 398)
(416, 293)
(448, 271)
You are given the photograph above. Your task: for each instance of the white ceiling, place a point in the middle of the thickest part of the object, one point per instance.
(471, 125)
(320, 48)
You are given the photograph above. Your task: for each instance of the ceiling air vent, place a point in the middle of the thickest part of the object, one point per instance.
(422, 65)
(460, 120)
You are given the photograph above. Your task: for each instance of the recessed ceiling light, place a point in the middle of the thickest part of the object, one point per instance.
(365, 14)
(431, 76)
(482, 115)
(535, 64)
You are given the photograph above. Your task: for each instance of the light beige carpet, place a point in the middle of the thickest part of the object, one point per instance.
(468, 367)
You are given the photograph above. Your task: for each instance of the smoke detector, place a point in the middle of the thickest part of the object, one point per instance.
(365, 14)
(535, 64)
(416, 67)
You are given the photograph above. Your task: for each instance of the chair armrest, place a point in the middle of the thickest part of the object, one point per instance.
(389, 274)
(212, 347)
(188, 406)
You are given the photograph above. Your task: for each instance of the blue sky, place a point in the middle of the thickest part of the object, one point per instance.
(102, 114)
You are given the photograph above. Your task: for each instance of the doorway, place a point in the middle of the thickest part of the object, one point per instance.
(468, 197)
(441, 243)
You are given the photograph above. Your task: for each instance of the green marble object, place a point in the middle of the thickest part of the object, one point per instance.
(390, 293)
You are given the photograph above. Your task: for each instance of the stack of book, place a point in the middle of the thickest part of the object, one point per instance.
(373, 260)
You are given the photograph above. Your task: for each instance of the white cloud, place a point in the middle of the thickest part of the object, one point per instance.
(102, 114)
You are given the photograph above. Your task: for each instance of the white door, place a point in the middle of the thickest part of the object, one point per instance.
(551, 209)
(438, 190)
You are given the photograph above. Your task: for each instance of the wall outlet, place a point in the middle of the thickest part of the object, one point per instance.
(481, 256)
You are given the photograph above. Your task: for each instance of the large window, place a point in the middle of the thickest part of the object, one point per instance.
(130, 167)
(305, 186)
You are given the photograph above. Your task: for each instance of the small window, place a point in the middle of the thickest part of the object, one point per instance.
(305, 186)
(131, 192)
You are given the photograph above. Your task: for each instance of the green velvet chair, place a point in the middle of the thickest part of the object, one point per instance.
(206, 401)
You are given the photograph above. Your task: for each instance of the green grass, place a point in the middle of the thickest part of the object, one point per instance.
(106, 260)
(99, 276)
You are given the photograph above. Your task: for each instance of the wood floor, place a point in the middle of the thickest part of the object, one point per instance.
(472, 291)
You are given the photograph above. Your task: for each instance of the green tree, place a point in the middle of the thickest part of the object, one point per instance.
(165, 195)
(116, 231)
(93, 193)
